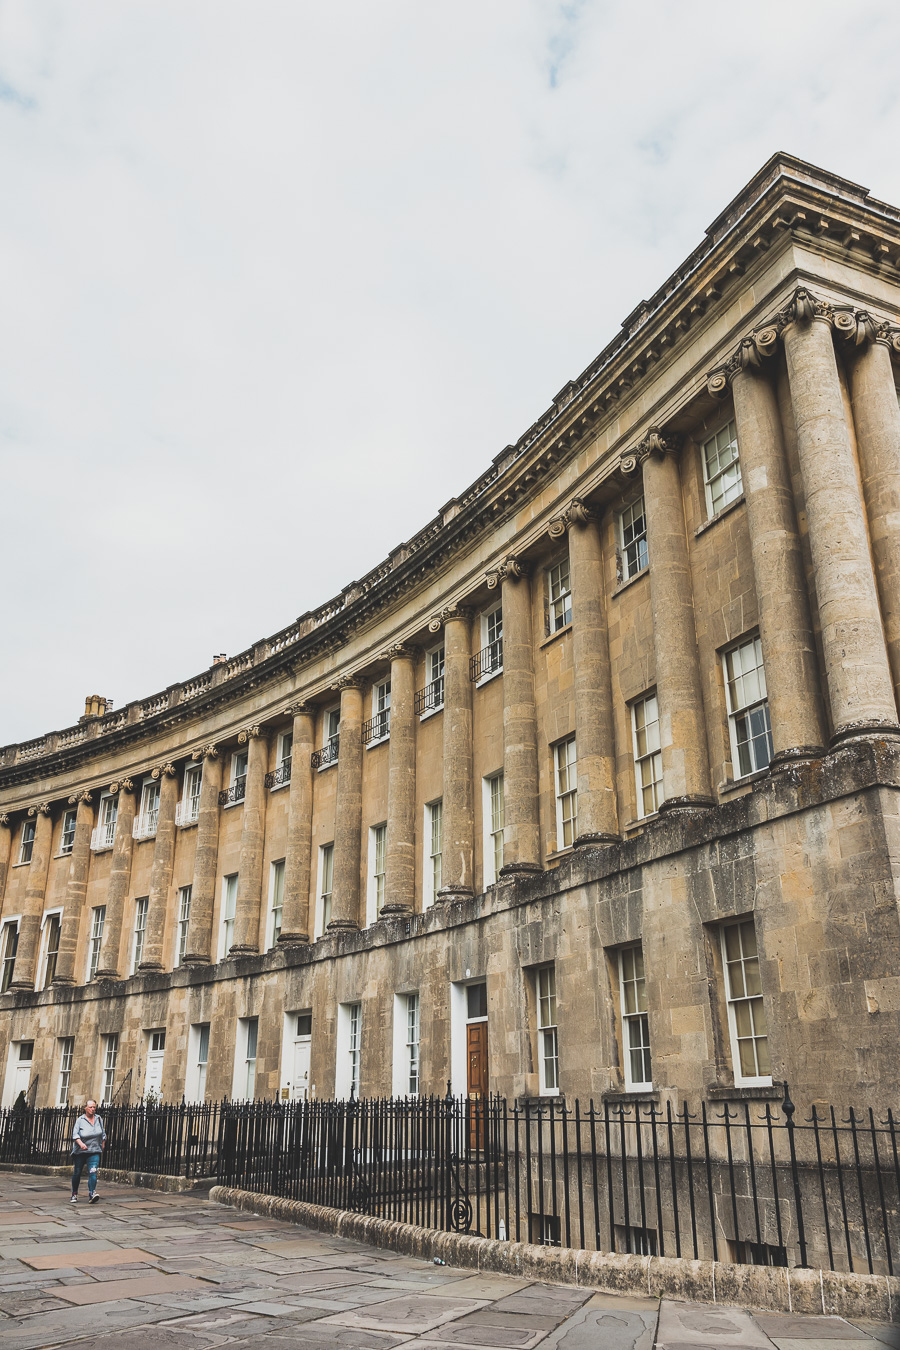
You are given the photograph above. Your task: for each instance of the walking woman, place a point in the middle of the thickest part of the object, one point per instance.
(89, 1138)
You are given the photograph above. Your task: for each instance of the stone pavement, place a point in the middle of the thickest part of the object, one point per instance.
(147, 1271)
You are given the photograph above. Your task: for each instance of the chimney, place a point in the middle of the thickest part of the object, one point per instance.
(219, 659)
(95, 705)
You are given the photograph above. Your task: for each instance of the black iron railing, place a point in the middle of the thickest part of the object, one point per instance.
(488, 661)
(235, 793)
(377, 727)
(280, 775)
(327, 755)
(748, 1182)
(431, 697)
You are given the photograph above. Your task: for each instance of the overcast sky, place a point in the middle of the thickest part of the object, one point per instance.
(279, 278)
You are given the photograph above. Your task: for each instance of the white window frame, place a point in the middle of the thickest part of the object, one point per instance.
(139, 931)
(434, 674)
(331, 732)
(565, 786)
(559, 594)
(198, 1061)
(285, 748)
(66, 848)
(188, 810)
(276, 900)
(237, 774)
(26, 842)
(432, 875)
(713, 476)
(381, 707)
(375, 895)
(147, 819)
(406, 1076)
(64, 1077)
(324, 879)
(246, 1059)
(110, 1053)
(755, 1002)
(182, 924)
(633, 552)
(651, 756)
(95, 940)
(104, 835)
(9, 939)
(738, 712)
(491, 642)
(547, 1030)
(44, 946)
(348, 1050)
(226, 922)
(493, 812)
(635, 1017)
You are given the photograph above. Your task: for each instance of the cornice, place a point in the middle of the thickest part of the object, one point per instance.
(786, 199)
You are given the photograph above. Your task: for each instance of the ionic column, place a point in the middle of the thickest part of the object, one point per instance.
(857, 672)
(33, 904)
(522, 829)
(253, 825)
(119, 878)
(682, 728)
(161, 869)
(203, 887)
(400, 844)
(876, 416)
(298, 860)
(458, 816)
(598, 817)
(5, 851)
(76, 889)
(348, 810)
(785, 627)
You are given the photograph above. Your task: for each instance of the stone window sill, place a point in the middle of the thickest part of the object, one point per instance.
(623, 585)
(189, 824)
(28, 864)
(761, 1093)
(278, 787)
(373, 745)
(230, 806)
(560, 853)
(431, 712)
(640, 821)
(532, 1100)
(560, 632)
(486, 679)
(64, 855)
(323, 768)
(626, 1098)
(734, 784)
(714, 520)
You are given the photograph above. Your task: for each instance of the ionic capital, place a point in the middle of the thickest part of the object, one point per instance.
(41, 809)
(750, 354)
(249, 734)
(857, 327)
(576, 513)
(163, 771)
(509, 570)
(300, 709)
(121, 785)
(402, 651)
(208, 752)
(451, 612)
(348, 682)
(4, 817)
(655, 442)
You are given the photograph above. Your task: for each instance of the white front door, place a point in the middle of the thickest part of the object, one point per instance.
(18, 1072)
(155, 1055)
(300, 1082)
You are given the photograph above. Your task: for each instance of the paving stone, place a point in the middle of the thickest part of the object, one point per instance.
(613, 1329)
(114, 1289)
(544, 1298)
(317, 1334)
(69, 1324)
(10, 1217)
(808, 1328)
(623, 1303)
(792, 1343)
(477, 1286)
(158, 1338)
(883, 1335)
(21, 1305)
(692, 1326)
(113, 1256)
(414, 1315)
(19, 1250)
(321, 1279)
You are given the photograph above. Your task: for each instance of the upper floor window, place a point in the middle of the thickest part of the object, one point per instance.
(26, 846)
(746, 1011)
(406, 1045)
(633, 539)
(377, 847)
(183, 923)
(276, 901)
(489, 661)
(635, 1019)
(566, 793)
(379, 725)
(559, 595)
(431, 698)
(434, 821)
(141, 906)
(10, 942)
(283, 751)
(647, 755)
(248, 1036)
(722, 469)
(104, 835)
(189, 807)
(548, 1037)
(67, 838)
(52, 928)
(326, 881)
(493, 827)
(66, 1052)
(148, 816)
(238, 784)
(110, 1060)
(229, 906)
(331, 739)
(748, 708)
(98, 919)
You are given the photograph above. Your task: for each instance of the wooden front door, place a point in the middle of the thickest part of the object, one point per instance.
(476, 1080)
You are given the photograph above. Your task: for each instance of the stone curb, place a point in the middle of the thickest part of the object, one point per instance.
(149, 1180)
(773, 1289)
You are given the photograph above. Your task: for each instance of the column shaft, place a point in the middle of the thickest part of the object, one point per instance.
(400, 845)
(161, 871)
(117, 889)
(522, 831)
(785, 628)
(859, 681)
(76, 892)
(458, 817)
(348, 813)
(5, 852)
(33, 906)
(253, 826)
(298, 861)
(203, 887)
(876, 415)
(685, 757)
(598, 817)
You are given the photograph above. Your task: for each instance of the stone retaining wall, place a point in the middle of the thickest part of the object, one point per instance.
(777, 1289)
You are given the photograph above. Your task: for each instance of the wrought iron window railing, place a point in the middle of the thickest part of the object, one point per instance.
(327, 755)
(488, 661)
(378, 727)
(280, 775)
(235, 793)
(431, 697)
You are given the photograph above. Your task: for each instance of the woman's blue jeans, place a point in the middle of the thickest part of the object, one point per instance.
(92, 1161)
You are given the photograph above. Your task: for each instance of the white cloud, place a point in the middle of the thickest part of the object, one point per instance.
(280, 278)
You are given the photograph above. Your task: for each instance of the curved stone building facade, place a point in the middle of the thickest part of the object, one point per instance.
(590, 788)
